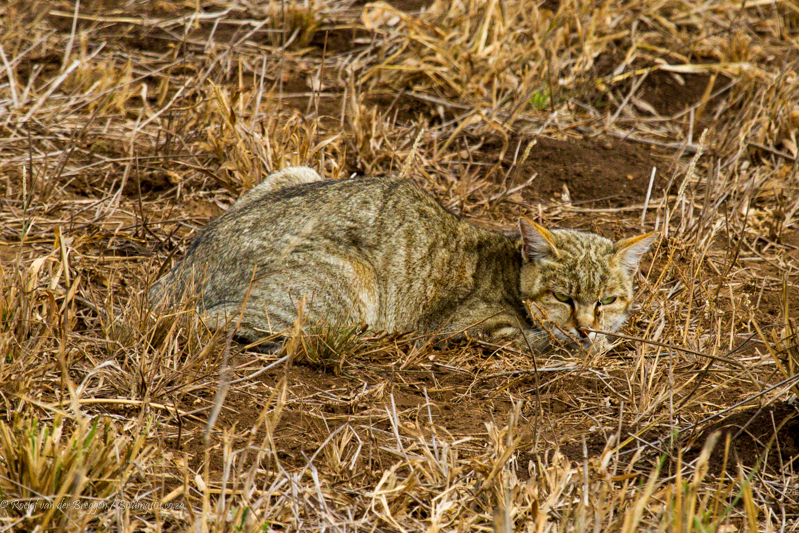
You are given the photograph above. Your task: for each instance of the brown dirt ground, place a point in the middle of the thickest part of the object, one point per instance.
(764, 438)
(598, 173)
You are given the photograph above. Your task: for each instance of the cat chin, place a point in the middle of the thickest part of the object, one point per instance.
(571, 340)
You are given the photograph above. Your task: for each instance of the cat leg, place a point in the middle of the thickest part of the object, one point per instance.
(499, 327)
(525, 338)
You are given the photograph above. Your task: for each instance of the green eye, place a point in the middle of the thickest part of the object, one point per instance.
(559, 296)
(607, 301)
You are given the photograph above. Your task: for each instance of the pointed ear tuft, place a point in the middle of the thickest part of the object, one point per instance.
(538, 244)
(629, 251)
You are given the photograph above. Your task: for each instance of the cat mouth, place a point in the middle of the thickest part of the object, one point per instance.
(569, 336)
(592, 341)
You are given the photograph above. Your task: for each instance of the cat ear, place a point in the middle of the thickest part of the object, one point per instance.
(629, 251)
(538, 243)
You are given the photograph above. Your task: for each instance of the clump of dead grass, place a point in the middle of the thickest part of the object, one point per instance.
(60, 474)
(246, 153)
(293, 25)
(328, 345)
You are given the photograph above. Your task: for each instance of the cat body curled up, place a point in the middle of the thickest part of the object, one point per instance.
(382, 252)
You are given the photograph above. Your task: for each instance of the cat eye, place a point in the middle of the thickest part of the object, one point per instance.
(607, 301)
(559, 296)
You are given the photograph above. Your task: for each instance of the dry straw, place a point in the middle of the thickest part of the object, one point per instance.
(123, 133)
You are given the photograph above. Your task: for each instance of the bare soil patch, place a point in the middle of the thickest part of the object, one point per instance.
(670, 93)
(601, 172)
(763, 438)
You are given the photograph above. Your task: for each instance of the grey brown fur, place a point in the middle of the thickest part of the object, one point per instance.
(384, 253)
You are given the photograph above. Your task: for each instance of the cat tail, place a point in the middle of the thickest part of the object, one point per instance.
(282, 179)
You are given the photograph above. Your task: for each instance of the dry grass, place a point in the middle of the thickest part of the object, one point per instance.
(126, 126)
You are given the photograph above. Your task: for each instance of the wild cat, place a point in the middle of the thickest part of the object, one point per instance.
(382, 252)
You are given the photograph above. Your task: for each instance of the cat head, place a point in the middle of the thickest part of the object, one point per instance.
(573, 281)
